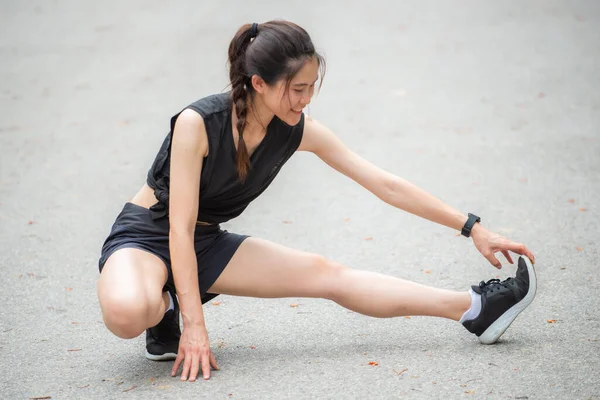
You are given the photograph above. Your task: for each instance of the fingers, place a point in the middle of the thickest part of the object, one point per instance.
(178, 360)
(507, 256)
(187, 364)
(195, 366)
(494, 261)
(206, 364)
(213, 361)
(520, 248)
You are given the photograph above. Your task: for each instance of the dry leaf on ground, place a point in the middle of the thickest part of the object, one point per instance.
(293, 305)
(551, 321)
(131, 388)
(373, 363)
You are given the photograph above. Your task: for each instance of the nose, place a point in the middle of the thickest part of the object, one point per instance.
(305, 100)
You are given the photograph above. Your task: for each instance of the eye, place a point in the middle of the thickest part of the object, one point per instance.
(299, 91)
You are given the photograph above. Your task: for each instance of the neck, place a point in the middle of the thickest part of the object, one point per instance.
(258, 115)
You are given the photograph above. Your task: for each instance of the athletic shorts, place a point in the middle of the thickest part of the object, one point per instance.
(135, 228)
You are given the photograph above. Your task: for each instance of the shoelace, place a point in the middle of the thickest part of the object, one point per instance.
(493, 284)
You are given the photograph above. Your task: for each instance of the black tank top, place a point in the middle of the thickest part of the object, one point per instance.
(222, 195)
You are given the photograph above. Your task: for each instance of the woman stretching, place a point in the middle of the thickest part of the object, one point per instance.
(167, 254)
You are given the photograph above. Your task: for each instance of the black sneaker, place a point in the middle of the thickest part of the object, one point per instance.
(162, 340)
(501, 302)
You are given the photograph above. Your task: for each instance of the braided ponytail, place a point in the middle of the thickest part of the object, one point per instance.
(240, 88)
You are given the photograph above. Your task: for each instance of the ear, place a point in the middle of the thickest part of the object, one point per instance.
(258, 84)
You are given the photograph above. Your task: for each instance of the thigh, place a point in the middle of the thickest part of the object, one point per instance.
(131, 273)
(260, 268)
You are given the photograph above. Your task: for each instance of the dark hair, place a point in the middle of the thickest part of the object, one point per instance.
(274, 50)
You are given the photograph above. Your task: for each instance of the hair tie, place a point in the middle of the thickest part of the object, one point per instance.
(254, 30)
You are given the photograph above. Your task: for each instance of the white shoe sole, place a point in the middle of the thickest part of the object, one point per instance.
(163, 357)
(495, 330)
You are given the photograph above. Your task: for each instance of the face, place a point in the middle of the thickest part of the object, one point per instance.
(288, 104)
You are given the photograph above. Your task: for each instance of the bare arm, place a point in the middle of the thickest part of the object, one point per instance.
(398, 192)
(189, 144)
(188, 148)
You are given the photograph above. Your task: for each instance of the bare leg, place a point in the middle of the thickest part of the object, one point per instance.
(263, 269)
(130, 292)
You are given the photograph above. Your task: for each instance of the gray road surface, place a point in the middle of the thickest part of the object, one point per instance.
(492, 106)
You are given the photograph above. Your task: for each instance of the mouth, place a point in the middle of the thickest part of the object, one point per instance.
(297, 112)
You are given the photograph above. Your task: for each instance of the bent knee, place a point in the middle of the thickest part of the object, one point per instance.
(123, 314)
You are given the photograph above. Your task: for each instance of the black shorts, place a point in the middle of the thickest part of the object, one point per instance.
(135, 228)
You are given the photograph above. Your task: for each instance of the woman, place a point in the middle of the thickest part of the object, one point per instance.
(166, 252)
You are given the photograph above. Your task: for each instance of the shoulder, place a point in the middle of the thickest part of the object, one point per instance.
(189, 132)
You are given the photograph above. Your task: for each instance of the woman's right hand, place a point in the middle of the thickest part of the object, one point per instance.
(194, 351)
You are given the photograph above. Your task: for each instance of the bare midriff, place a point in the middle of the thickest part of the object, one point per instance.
(145, 198)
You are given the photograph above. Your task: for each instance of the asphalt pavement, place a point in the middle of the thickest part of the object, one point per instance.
(492, 106)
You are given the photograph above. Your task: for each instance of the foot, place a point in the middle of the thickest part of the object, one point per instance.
(501, 302)
(162, 340)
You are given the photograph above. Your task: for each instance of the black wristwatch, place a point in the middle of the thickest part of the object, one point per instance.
(466, 230)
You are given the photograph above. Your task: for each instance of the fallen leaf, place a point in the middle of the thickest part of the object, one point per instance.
(253, 347)
(571, 200)
(563, 267)
(131, 388)
(40, 398)
(83, 387)
(583, 209)
(74, 350)
(407, 317)
(579, 248)
(216, 303)
(152, 379)
(30, 222)
(287, 222)
(293, 305)
(368, 238)
(230, 394)
(401, 372)
(427, 271)
(373, 363)
(69, 289)
(469, 391)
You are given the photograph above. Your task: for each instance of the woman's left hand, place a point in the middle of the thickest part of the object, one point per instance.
(489, 243)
